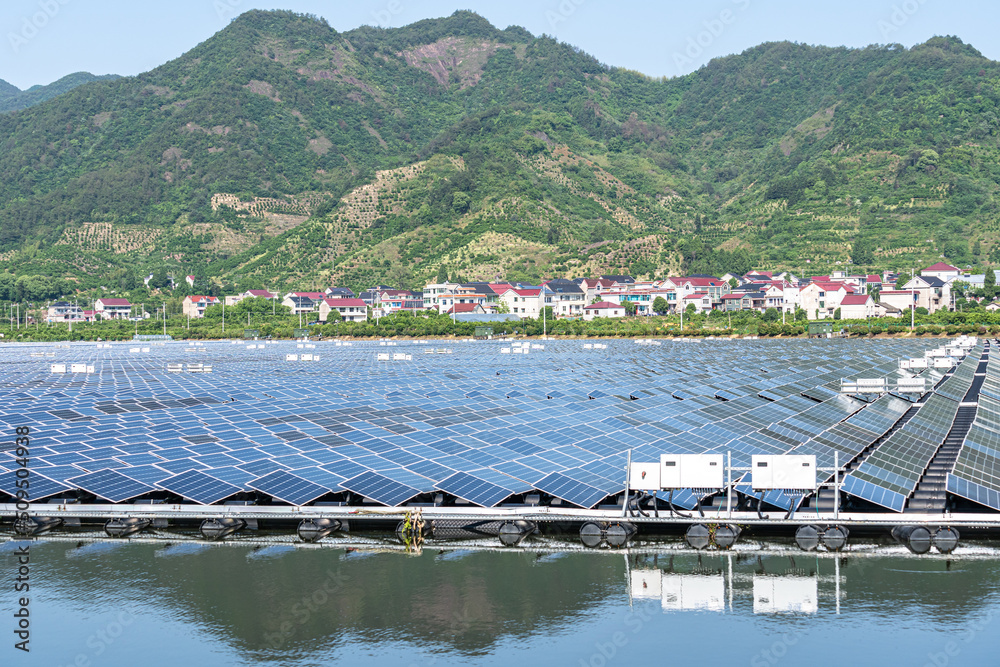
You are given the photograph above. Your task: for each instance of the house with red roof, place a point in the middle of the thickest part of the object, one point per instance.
(107, 308)
(463, 308)
(350, 309)
(821, 299)
(713, 287)
(522, 301)
(603, 309)
(857, 307)
(946, 272)
(194, 306)
(249, 294)
(702, 302)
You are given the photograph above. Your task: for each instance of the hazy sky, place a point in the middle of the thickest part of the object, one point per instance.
(42, 40)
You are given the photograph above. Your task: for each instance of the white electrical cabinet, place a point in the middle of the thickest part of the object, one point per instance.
(644, 477)
(692, 471)
(783, 471)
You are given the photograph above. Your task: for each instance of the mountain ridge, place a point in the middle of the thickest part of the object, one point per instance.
(281, 150)
(14, 99)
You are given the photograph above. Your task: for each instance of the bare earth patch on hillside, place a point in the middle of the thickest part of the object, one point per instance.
(464, 57)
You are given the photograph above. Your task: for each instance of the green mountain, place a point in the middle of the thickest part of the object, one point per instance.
(281, 151)
(13, 99)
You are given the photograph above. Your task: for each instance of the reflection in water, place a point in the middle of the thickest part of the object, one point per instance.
(295, 605)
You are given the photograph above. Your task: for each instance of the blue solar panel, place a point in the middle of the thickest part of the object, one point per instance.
(289, 488)
(571, 490)
(111, 485)
(38, 486)
(199, 487)
(380, 489)
(475, 490)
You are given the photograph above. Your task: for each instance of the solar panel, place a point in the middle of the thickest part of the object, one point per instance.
(38, 487)
(111, 485)
(199, 487)
(289, 488)
(380, 489)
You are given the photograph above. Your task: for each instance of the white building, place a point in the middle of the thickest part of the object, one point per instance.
(603, 309)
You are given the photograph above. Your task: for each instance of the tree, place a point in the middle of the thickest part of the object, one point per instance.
(690, 310)
(863, 252)
(990, 284)
(836, 314)
(660, 305)
(771, 315)
(630, 308)
(800, 314)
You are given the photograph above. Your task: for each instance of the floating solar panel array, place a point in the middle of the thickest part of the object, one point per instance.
(976, 475)
(476, 427)
(889, 476)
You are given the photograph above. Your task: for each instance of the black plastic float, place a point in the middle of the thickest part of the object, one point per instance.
(125, 526)
(313, 530)
(216, 529)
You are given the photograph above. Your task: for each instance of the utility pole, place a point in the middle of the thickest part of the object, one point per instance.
(223, 314)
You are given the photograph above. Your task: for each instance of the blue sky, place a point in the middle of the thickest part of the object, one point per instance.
(42, 40)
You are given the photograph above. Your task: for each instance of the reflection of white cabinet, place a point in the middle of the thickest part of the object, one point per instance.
(646, 584)
(776, 595)
(692, 471)
(693, 592)
(783, 471)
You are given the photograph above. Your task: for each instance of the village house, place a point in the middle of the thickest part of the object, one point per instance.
(249, 294)
(603, 309)
(62, 311)
(194, 306)
(565, 297)
(857, 307)
(112, 309)
(821, 299)
(901, 299)
(299, 304)
(933, 293)
(350, 309)
(522, 301)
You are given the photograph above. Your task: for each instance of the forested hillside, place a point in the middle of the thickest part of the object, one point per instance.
(12, 98)
(282, 152)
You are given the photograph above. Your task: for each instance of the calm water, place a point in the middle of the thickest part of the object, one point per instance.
(100, 603)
